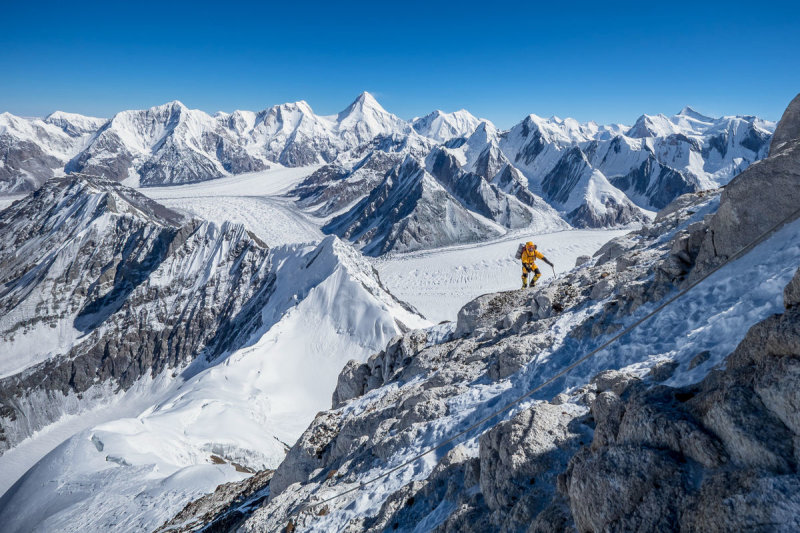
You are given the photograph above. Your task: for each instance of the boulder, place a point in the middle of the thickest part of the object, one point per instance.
(788, 128)
(614, 380)
(662, 370)
(791, 294)
(626, 488)
(351, 383)
(582, 259)
(519, 459)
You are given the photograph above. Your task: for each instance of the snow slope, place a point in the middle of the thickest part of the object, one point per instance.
(243, 407)
(439, 282)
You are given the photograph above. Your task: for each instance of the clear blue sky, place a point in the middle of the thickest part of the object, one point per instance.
(600, 61)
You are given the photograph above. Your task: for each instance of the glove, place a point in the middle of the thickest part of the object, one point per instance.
(548, 262)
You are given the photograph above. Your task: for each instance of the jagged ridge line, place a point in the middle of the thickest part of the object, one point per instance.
(758, 240)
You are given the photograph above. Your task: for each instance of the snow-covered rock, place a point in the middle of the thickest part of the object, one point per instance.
(355, 173)
(167, 144)
(34, 150)
(101, 287)
(237, 347)
(653, 162)
(74, 124)
(442, 127)
(409, 210)
(618, 446)
(586, 196)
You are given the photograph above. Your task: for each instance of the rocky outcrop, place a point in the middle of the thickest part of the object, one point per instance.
(337, 185)
(520, 460)
(762, 196)
(358, 378)
(222, 510)
(791, 295)
(787, 132)
(667, 459)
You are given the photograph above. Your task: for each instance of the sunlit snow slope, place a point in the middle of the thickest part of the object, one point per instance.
(240, 410)
(439, 282)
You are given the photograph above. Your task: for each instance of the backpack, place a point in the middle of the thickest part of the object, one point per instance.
(520, 249)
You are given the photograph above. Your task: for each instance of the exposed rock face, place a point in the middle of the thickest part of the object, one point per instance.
(222, 510)
(520, 460)
(656, 183)
(405, 195)
(34, 150)
(25, 165)
(791, 296)
(586, 195)
(788, 129)
(345, 180)
(735, 431)
(760, 197)
(113, 287)
(408, 211)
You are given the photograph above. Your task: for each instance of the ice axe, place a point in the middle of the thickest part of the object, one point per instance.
(551, 266)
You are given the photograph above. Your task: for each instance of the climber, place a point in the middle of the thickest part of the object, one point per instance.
(529, 256)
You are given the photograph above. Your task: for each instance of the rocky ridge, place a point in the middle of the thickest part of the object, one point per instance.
(101, 286)
(661, 441)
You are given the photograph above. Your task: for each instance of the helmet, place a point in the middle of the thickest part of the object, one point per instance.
(529, 244)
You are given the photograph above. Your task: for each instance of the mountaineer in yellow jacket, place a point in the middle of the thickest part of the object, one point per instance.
(529, 256)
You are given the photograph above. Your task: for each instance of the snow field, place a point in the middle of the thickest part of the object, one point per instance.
(439, 282)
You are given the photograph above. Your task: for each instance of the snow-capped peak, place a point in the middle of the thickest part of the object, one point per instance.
(485, 133)
(688, 111)
(442, 127)
(364, 119)
(73, 123)
(174, 104)
(652, 126)
(363, 104)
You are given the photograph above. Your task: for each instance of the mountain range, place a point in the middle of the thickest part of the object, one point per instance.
(184, 358)
(550, 173)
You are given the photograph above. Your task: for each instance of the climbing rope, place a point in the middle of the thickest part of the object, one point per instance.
(758, 240)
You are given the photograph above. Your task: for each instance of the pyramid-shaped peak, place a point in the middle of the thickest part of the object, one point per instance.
(690, 112)
(364, 102)
(366, 98)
